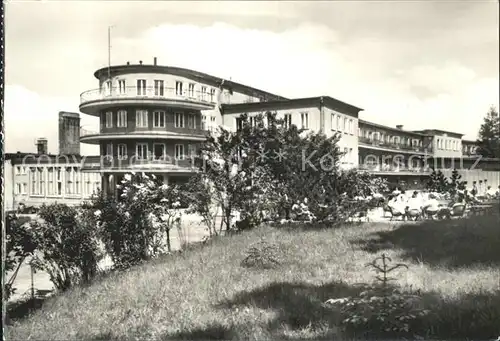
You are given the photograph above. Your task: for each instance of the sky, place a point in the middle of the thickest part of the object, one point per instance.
(423, 64)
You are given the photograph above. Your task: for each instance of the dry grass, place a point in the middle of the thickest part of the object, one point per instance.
(206, 294)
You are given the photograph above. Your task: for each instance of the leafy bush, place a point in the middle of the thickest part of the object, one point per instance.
(19, 245)
(136, 226)
(262, 255)
(67, 244)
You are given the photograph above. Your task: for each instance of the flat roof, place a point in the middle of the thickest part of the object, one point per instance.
(188, 73)
(381, 126)
(327, 101)
(439, 131)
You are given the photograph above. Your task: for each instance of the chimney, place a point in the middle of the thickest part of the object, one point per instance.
(128, 63)
(399, 126)
(41, 146)
(69, 133)
(154, 61)
(140, 62)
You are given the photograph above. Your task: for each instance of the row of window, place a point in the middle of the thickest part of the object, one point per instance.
(378, 136)
(142, 151)
(141, 119)
(49, 181)
(287, 118)
(141, 87)
(447, 144)
(469, 149)
(342, 124)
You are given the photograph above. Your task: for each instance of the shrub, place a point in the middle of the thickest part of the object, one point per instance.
(19, 245)
(262, 255)
(68, 248)
(136, 226)
(381, 309)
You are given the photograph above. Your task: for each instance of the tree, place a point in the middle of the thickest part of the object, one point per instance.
(456, 184)
(489, 135)
(229, 171)
(437, 182)
(67, 244)
(136, 226)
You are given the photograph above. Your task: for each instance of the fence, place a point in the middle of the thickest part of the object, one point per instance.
(483, 178)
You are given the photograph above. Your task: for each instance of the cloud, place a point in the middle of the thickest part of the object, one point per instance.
(29, 116)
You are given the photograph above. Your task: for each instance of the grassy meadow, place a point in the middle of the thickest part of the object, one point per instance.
(205, 293)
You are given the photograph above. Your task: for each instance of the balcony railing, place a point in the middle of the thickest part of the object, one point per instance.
(154, 131)
(134, 163)
(392, 145)
(158, 93)
(394, 168)
(85, 132)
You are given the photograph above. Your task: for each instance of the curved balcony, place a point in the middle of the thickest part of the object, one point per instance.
(133, 164)
(92, 101)
(94, 137)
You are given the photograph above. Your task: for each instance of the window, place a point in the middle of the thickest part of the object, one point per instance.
(179, 151)
(251, 120)
(107, 88)
(338, 122)
(350, 154)
(41, 182)
(191, 121)
(109, 119)
(17, 170)
(158, 88)
(179, 120)
(203, 122)
(121, 151)
(78, 182)
(59, 180)
(141, 87)
(121, 87)
(332, 123)
(109, 149)
(33, 181)
(141, 151)
(24, 188)
(141, 118)
(191, 90)
(88, 188)
(351, 127)
(178, 88)
(239, 123)
(304, 117)
(212, 95)
(18, 188)
(121, 119)
(203, 93)
(345, 125)
(288, 120)
(50, 181)
(159, 119)
(69, 180)
(159, 151)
